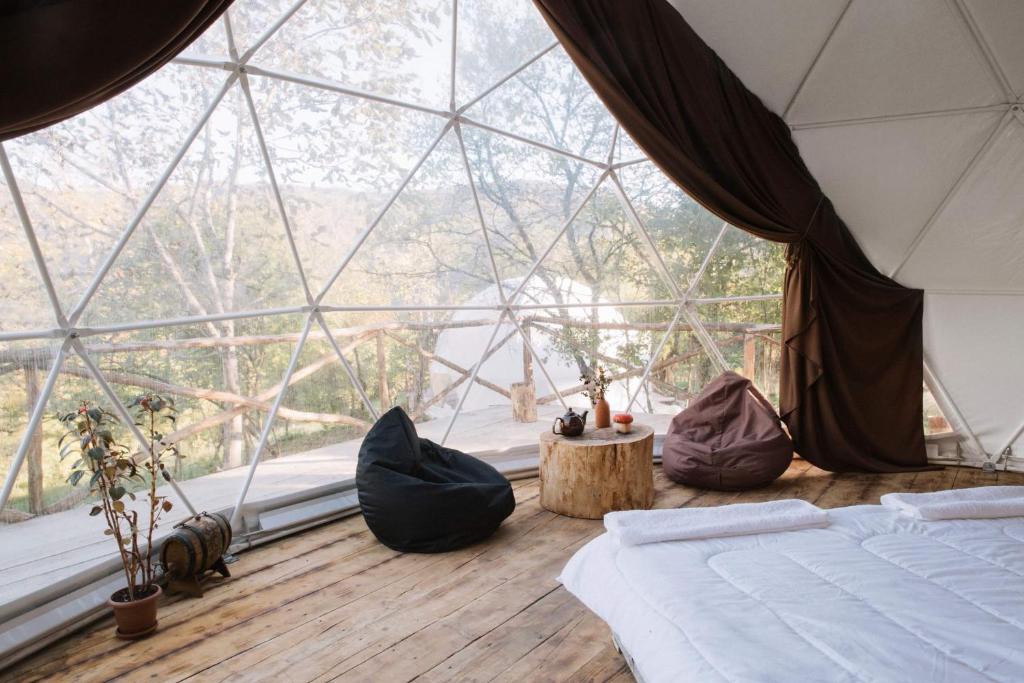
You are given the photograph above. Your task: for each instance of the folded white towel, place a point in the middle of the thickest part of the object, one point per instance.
(636, 527)
(983, 502)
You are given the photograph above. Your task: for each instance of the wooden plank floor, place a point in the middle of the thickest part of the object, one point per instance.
(50, 548)
(332, 604)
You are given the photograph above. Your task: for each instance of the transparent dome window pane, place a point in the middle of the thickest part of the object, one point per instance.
(681, 229)
(251, 19)
(221, 385)
(83, 179)
(429, 248)
(526, 195)
(550, 102)
(574, 341)
(212, 44)
(749, 335)
(495, 39)
(935, 421)
(315, 436)
(682, 371)
(626, 149)
(40, 483)
(42, 489)
(744, 265)
(600, 258)
(396, 49)
(337, 160)
(24, 304)
(423, 360)
(212, 242)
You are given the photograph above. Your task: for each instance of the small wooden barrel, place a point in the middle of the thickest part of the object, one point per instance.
(197, 544)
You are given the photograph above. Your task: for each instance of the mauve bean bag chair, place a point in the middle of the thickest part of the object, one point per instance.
(729, 438)
(423, 498)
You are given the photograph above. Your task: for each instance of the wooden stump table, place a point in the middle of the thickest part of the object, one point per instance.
(597, 472)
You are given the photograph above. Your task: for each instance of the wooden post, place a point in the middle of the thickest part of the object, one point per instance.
(524, 402)
(749, 356)
(35, 449)
(527, 356)
(382, 372)
(524, 394)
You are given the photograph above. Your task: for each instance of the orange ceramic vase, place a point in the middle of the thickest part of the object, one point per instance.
(602, 414)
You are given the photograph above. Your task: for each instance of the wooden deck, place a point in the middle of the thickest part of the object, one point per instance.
(54, 548)
(332, 604)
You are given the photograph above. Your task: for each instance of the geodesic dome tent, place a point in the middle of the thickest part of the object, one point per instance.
(910, 117)
(275, 228)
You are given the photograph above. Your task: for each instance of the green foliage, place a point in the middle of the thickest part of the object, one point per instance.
(112, 472)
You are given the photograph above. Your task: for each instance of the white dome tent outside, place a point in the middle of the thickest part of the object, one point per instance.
(911, 117)
(464, 346)
(120, 174)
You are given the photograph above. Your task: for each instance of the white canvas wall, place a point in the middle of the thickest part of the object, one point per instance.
(909, 114)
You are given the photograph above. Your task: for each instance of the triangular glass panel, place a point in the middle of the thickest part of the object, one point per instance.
(83, 179)
(749, 335)
(24, 304)
(400, 50)
(184, 369)
(337, 162)
(428, 249)
(550, 102)
(572, 342)
(681, 229)
(495, 39)
(222, 376)
(213, 241)
(420, 360)
(743, 265)
(319, 426)
(600, 259)
(935, 421)
(683, 370)
(251, 19)
(46, 536)
(626, 150)
(212, 44)
(526, 195)
(39, 483)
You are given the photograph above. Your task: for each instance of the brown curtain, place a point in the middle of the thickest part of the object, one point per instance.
(61, 57)
(851, 373)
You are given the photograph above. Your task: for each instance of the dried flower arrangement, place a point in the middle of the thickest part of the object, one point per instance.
(595, 384)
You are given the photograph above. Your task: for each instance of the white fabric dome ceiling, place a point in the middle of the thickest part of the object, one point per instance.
(909, 114)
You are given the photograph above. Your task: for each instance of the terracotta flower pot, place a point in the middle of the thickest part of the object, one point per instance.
(135, 618)
(602, 414)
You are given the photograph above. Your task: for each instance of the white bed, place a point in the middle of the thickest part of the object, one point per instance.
(876, 596)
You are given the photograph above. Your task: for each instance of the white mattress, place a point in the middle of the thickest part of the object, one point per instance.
(876, 596)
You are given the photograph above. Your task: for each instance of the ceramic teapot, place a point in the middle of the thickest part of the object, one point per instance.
(570, 424)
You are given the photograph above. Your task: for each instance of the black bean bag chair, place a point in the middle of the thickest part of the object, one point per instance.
(420, 497)
(729, 438)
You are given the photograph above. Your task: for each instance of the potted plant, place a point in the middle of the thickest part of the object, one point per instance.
(114, 475)
(595, 384)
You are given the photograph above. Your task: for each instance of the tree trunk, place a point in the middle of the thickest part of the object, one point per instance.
(234, 431)
(35, 447)
(382, 373)
(524, 394)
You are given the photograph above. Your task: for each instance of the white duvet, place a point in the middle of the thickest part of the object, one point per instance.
(876, 596)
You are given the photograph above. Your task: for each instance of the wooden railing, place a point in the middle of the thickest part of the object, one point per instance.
(760, 361)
